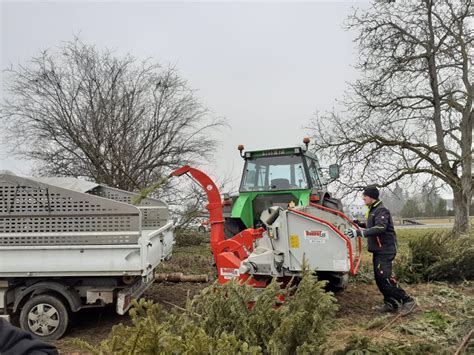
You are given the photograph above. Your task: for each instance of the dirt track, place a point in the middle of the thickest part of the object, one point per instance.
(94, 325)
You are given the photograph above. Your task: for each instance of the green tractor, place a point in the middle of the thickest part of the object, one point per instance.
(277, 177)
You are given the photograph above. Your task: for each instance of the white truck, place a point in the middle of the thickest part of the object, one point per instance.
(68, 244)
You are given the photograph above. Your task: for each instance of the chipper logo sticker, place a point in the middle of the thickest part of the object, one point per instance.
(229, 273)
(316, 236)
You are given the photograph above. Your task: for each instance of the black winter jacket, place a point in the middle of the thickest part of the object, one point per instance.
(380, 232)
(14, 341)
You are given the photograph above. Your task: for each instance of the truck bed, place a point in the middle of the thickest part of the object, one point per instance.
(70, 227)
(87, 260)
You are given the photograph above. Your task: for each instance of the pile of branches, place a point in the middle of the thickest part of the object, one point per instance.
(438, 257)
(359, 344)
(230, 318)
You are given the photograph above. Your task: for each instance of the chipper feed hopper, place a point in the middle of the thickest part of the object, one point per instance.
(68, 244)
(290, 238)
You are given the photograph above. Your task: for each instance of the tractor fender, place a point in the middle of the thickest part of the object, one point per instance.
(69, 295)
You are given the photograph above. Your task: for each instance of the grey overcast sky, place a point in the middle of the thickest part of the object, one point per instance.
(264, 66)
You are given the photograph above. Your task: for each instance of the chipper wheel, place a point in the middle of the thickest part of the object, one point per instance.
(337, 281)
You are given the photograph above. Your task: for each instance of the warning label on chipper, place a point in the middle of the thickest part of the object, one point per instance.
(229, 273)
(294, 241)
(316, 236)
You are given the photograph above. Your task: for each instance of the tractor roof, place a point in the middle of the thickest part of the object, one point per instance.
(276, 152)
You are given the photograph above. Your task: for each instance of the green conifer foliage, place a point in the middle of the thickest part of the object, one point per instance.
(230, 319)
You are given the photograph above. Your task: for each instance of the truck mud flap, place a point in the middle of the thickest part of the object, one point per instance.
(127, 295)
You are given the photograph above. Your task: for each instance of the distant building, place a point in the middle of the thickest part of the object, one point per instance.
(449, 204)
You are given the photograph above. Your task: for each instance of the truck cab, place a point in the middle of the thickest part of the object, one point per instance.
(277, 177)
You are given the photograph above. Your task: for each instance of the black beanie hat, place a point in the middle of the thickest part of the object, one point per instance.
(372, 191)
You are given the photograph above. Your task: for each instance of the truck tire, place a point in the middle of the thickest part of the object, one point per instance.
(45, 317)
(201, 229)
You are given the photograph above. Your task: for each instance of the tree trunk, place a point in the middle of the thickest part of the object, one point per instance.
(180, 277)
(461, 202)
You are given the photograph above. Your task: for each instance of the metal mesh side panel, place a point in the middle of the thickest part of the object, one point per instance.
(66, 239)
(65, 224)
(123, 196)
(20, 200)
(155, 214)
(63, 216)
(154, 218)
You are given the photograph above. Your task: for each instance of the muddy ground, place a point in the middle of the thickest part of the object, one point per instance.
(94, 325)
(355, 315)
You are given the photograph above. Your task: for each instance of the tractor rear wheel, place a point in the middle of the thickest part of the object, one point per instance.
(232, 226)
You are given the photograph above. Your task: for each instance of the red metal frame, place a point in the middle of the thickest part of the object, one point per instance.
(359, 239)
(339, 213)
(214, 206)
(228, 253)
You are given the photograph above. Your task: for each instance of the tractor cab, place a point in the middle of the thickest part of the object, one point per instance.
(281, 169)
(277, 177)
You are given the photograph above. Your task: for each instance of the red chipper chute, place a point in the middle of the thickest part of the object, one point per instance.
(228, 253)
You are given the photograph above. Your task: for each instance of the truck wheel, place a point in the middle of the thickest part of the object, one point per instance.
(45, 317)
(201, 229)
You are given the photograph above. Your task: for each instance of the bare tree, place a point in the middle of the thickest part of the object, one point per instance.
(411, 111)
(116, 120)
(193, 201)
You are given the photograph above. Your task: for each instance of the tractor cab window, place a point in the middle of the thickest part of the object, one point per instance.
(315, 173)
(274, 173)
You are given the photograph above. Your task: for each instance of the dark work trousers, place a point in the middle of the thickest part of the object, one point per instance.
(388, 286)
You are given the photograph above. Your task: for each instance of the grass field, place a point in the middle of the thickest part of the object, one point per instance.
(431, 220)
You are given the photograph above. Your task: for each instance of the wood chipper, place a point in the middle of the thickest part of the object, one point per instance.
(288, 238)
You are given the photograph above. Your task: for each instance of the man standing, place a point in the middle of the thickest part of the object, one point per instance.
(382, 243)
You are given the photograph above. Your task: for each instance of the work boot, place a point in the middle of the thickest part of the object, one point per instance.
(407, 307)
(385, 308)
